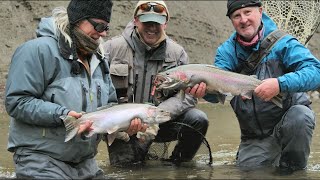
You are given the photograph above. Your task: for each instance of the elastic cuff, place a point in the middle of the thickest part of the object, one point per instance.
(65, 112)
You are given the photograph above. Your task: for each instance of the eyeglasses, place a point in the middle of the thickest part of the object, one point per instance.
(99, 27)
(158, 8)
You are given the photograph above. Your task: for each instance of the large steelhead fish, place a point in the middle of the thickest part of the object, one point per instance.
(218, 81)
(115, 118)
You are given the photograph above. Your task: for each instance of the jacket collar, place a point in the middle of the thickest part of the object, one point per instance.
(65, 49)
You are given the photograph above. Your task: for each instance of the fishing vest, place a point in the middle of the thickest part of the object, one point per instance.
(133, 69)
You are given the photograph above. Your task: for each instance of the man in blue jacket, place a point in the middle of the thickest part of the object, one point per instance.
(270, 135)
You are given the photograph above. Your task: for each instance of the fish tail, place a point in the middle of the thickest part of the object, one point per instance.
(277, 100)
(72, 126)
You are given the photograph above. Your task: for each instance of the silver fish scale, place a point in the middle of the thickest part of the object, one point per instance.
(115, 118)
(118, 117)
(217, 80)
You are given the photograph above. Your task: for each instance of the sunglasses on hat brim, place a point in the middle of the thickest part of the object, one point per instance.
(158, 8)
(99, 27)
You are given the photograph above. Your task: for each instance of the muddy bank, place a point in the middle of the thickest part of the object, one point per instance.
(199, 26)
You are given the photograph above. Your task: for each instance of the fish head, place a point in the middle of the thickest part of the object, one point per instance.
(171, 80)
(157, 115)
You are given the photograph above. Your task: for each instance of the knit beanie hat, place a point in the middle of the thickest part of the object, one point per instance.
(82, 9)
(234, 5)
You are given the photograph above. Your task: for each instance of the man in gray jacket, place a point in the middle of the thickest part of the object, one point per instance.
(61, 72)
(135, 58)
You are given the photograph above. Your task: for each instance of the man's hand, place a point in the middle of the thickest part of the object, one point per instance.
(198, 90)
(136, 126)
(268, 89)
(84, 126)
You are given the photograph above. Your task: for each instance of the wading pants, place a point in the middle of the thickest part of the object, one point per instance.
(189, 129)
(40, 166)
(288, 146)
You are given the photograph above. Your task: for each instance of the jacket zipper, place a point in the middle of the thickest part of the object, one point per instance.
(150, 99)
(99, 103)
(144, 76)
(84, 97)
(135, 88)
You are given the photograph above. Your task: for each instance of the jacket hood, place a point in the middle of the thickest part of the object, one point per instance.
(46, 28)
(268, 24)
(128, 32)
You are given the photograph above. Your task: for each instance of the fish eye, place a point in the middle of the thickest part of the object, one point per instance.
(167, 73)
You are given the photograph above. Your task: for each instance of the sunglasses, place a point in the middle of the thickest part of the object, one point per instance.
(158, 8)
(99, 27)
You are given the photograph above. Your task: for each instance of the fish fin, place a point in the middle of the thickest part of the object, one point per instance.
(181, 95)
(149, 103)
(118, 135)
(106, 106)
(189, 78)
(111, 138)
(254, 76)
(221, 98)
(212, 66)
(277, 100)
(89, 133)
(247, 95)
(72, 126)
(113, 129)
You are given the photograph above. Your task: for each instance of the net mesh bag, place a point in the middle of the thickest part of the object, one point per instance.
(163, 150)
(300, 18)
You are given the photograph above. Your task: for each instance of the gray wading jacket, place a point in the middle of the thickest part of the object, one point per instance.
(40, 88)
(133, 66)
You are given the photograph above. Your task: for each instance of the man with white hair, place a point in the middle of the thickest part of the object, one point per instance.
(270, 135)
(136, 56)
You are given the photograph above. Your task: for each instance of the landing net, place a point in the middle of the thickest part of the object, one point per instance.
(299, 18)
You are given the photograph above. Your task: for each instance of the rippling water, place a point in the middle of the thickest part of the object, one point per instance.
(223, 136)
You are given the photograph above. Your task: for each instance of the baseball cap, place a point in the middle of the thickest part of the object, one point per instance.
(152, 11)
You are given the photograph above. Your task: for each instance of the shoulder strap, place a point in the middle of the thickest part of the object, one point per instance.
(266, 45)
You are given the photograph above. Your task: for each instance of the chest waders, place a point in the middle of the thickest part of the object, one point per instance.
(248, 66)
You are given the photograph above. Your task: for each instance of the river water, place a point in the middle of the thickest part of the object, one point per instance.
(223, 136)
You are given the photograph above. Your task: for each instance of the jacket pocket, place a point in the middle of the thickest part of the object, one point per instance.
(169, 63)
(119, 75)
